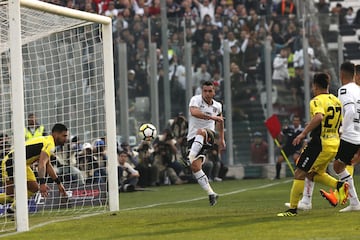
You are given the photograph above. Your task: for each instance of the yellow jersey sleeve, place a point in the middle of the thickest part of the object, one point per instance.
(49, 145)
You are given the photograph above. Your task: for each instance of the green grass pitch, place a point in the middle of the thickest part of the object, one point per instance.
(246, 210)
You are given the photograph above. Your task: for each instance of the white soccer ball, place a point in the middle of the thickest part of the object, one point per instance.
(147, 132)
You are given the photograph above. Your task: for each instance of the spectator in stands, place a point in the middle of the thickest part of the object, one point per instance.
(286, 7)
(128, 177)
(276, 34)
(339, 11)
(264, 8)
(218, 20)
(138, 7)
(75, 145)
(99, 151)
(229, 10)
(259, 149)
(280, 73)
(254, 21)
(65, 166)
(350, 16)
(87, 162)
(232, 41)
(219, 89)
(188, 21)
(291, 68)
(177, 77)
(250, 58)
(34, 129)
(242, 14)
(111, 12)
(290, 36)
(239, 90)
(357, 19)
(201, 75)
(297, 86)
(89, 7)
(154, 8)
(119, 24)
(203, 53)
(234, 24)
(207, 7)
(314, 63)
(214, 64)
(173, 10)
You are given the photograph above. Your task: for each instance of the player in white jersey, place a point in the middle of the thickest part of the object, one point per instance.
(205, 114)
(349, 95)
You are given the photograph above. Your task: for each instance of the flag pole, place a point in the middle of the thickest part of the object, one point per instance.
(284, 155)
(274, 127)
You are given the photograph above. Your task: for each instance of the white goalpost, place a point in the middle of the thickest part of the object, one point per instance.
(57, 63)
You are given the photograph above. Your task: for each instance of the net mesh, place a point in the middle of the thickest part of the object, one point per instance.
(63, 83)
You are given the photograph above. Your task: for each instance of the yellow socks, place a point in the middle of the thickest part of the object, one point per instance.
(296, 192)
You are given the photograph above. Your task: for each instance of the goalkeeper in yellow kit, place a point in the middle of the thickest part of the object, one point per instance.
(325, 110)
(38, 150)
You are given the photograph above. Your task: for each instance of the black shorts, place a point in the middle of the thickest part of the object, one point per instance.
(208, 143)
(308, 156)
(346, 152)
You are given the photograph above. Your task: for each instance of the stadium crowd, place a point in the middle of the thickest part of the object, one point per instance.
(246, 24)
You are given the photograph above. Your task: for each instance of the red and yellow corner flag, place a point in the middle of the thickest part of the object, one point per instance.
(273, 125)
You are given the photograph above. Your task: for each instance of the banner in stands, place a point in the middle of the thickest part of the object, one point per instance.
(87, 195)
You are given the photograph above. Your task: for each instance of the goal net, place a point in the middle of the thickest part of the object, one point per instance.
(64, 81)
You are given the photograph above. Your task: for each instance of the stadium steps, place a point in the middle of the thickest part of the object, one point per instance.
(242, 141)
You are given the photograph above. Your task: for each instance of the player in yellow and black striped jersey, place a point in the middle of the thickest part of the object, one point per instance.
(40, 150)
(325, 110)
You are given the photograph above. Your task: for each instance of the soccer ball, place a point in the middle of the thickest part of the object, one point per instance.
(147, 132)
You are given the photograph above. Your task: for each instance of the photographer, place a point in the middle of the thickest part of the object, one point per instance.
(128, 176)
(147, 170)
(213, 167)
(179, 129)
(165, 158)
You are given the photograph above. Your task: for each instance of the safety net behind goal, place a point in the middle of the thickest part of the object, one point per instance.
(63, 81)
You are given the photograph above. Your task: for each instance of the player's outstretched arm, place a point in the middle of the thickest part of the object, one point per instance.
(51, 171)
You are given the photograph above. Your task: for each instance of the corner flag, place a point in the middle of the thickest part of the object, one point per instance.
(274, 127)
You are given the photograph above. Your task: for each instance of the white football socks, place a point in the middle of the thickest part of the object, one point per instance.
(203, 180)
(308, 191)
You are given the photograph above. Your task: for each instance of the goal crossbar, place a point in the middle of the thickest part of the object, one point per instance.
(68, 12)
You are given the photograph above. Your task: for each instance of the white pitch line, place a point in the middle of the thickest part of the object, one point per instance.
(147, 206)
(201, 198)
